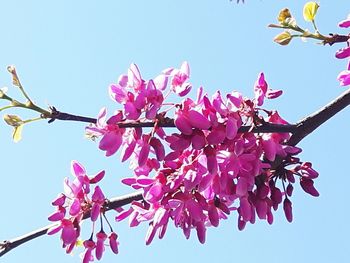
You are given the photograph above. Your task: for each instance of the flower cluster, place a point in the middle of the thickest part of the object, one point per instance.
(344, 76)
(77, 203)
(208, 168)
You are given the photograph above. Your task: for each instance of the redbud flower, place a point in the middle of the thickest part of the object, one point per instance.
(180, 76)
(89, 247)
(262, 90)
(69, 233)
(98, 199)
(287, 207)
(345, 23)
(308, 186)
(113, 243)
(343, 53)
(100, 246)
(344, 76)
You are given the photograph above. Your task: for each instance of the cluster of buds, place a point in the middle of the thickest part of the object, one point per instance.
(76, 204)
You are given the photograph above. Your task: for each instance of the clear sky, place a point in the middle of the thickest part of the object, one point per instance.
(68, 52)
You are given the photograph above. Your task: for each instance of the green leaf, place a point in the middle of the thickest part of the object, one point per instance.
(310, 10)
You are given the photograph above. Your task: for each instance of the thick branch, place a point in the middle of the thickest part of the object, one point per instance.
(169, 123)
(113, 203)
(299, 131)
(313, 121)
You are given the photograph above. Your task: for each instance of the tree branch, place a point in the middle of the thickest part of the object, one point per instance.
(169, 123)
(7, 245)
(299, 131)
(311, 122)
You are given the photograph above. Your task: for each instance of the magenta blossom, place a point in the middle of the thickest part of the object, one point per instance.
(345, 23)
(343, 53)
(179, 83)
(344, 76)
(262, 90)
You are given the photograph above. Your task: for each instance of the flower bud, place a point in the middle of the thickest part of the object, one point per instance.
(287, 207)
(113, 243)
(308, 186)
(283, 38)
(284, 15)
(289, 190)
(100, 247)
(15, 80)
(143, 155)
(13, 120)
(3, 92)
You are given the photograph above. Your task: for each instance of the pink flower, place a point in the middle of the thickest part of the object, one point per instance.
(118, 91)
(154, 100)
(113, 243)
(287, 207)
(144, 152)
(69, 232)
(197, 120)
(306, 170)
(262, 90)
(180, 76)
(343, 53)
(138, 95)
(134, 78)
(89, 247)
(344, 76)
(308, 186)
(112, 135)
(160, 221)
(217, 210)
(182, 122)
(100, 246)
(98, 200)
(345, 23)
(158, 148)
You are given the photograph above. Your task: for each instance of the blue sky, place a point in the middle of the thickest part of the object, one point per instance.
(68, 52)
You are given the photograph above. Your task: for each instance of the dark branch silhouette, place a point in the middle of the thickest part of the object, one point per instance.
(169, 123)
